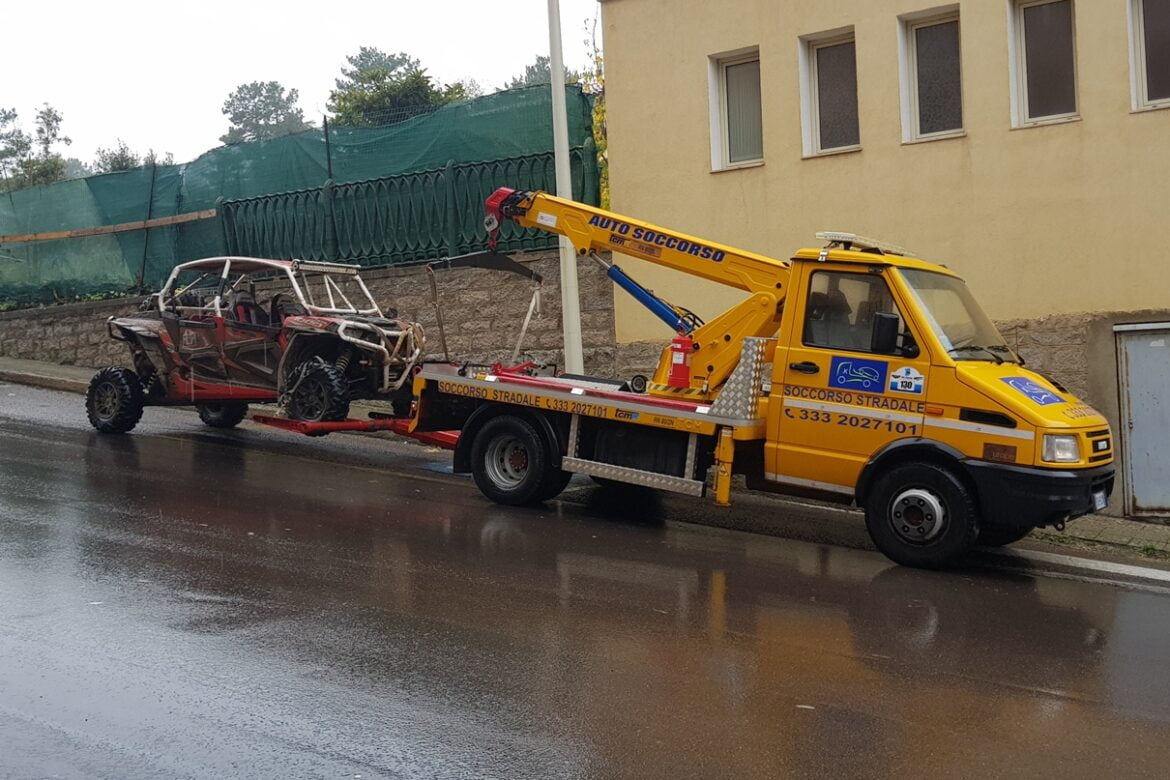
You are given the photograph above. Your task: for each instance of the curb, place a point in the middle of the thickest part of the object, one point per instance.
(43, 380)
(1027, 561)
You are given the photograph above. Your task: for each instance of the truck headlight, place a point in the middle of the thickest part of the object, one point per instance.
(1060, 448)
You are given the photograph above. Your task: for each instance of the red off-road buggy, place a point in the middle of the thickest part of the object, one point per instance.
(226, 331)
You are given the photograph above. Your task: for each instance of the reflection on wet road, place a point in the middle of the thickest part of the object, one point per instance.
(184, 602)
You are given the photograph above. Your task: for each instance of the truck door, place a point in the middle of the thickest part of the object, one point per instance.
(841, 401)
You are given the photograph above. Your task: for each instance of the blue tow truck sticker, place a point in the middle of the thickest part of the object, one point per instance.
(858, 374)
(1037, 393)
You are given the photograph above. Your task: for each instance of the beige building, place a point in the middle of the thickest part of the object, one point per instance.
(1025, 143)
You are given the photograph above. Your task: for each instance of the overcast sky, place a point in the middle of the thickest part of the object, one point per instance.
(155, 74)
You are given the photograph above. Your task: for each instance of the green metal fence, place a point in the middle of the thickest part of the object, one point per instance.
(399, 219)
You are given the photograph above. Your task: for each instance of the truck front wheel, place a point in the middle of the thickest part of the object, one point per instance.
(1001, 535)
(922, 515)
(510, 462)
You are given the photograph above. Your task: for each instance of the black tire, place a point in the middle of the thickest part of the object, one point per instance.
(922, 515)
(322, 396)
(1001, 535)
(227, 415)
(114, 400)
(510, 462)
(555, 481)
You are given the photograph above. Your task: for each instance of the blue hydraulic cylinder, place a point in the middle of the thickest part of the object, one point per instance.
(656, 305)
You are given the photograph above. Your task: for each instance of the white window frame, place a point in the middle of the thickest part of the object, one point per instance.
(908, 25)
(1139, 89)
(1018, 67)
(717, 65)
(809, 113)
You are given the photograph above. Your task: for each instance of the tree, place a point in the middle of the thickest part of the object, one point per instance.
(25, 160)
(15, 144)
(120, 158)
(150, 158)
(76, 169)
(262, 109)
(369, 59)
(592, 80)
(382, 89)
(540, 72)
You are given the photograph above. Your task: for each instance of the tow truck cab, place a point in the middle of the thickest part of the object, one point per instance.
(885, 360)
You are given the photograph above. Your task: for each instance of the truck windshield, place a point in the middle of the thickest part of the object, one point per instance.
(965, 331)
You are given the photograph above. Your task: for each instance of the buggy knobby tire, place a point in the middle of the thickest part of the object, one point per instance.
(321, 396)
(227, 415)
(510, 462)
(114, 400)
(922, 515)
(1001, 535)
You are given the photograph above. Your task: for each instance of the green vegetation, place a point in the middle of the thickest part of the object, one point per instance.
(260, 110)
(27, 160)
(382, 89)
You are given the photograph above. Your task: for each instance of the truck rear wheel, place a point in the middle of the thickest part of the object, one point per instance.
(510, 462)
(555, 482)
(114, 400)
(222, 415)
(922, 515)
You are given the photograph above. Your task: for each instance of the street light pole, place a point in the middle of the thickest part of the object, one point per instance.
(570, 297)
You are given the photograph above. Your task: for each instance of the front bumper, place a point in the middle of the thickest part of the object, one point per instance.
(1022, 496)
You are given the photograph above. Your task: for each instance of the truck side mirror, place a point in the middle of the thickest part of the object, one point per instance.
(883, 339)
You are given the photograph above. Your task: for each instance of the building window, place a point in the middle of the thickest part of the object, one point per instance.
(737, 129)
(1150, 43)
(1043, 61)
(932, 84)
(829, 93)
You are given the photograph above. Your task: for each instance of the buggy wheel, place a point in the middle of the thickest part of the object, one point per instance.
(321, 396)
(227, 415)
(114, 400)
(509, 461)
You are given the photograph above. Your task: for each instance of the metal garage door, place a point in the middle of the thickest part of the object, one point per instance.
(1143, 354)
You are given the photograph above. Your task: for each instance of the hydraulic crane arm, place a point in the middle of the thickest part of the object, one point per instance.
(593, 230)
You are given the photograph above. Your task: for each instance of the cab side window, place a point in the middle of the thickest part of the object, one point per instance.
(840, 308)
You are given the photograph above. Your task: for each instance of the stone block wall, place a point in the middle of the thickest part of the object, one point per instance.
(72, 334)
(482, 312)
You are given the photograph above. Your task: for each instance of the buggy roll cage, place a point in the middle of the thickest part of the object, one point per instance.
(296, 271)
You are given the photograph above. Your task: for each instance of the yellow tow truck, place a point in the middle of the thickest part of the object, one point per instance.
(850, 371)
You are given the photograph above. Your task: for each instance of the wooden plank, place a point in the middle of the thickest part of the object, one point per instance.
(125, 227)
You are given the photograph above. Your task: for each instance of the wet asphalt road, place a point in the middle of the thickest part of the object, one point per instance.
(183, 602)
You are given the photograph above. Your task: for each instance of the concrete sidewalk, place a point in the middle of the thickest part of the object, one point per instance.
(1107, 536)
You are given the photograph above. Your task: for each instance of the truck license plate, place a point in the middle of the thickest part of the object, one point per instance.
(1099, 500)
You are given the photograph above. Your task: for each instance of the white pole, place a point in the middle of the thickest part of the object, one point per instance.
(570, 298)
